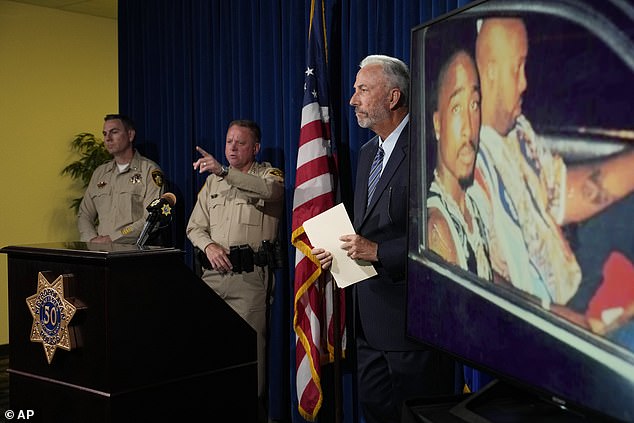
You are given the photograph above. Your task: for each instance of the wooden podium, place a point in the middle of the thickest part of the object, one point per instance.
(150, 341)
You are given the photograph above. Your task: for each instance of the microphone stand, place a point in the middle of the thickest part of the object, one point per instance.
(158, 208)
(147, 229)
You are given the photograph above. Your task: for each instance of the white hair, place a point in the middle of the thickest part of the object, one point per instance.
(395, 69)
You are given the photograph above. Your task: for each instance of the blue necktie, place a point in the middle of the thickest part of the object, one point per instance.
(375, 172)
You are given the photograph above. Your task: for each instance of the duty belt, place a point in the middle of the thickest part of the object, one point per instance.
(244, 259)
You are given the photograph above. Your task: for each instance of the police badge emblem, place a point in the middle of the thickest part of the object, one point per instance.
(51, 315)
(157, 177)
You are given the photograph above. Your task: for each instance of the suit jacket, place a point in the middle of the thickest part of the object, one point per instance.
(381, 301)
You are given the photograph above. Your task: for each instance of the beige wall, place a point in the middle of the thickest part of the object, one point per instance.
(58, 77)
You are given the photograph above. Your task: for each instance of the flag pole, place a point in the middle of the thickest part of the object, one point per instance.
(337, 353)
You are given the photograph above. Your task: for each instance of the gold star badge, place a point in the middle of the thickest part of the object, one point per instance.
(51, 315)
(166, 210)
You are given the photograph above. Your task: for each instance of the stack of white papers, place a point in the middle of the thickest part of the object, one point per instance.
(324, 231)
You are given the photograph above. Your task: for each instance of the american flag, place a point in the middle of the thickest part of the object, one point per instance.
(315, 182)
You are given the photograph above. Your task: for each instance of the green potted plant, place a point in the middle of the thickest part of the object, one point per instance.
(93, 153)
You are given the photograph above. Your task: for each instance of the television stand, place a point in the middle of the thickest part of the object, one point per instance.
(497, 402)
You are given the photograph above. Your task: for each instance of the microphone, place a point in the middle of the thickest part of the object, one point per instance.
(160, 212)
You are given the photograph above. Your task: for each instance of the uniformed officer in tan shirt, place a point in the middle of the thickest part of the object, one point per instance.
(114, 205)
(240, 204)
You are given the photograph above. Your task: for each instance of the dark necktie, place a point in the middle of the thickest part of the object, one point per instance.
(375, 172)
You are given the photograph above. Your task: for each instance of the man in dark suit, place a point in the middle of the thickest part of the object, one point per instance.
(391, 368)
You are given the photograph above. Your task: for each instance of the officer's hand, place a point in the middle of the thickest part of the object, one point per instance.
(218, 258)
(324, 257)
(207, 163)
(360, 248)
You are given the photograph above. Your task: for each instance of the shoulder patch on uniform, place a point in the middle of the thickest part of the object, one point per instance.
(157, 177)
(275, 172)
(126, 230)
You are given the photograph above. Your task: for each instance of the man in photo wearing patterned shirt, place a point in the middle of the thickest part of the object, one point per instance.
(530, 192)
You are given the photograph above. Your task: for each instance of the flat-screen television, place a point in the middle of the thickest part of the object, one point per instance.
(509, 269)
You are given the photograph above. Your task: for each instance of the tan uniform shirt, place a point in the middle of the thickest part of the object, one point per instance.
(119, 200)
(241, 208)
